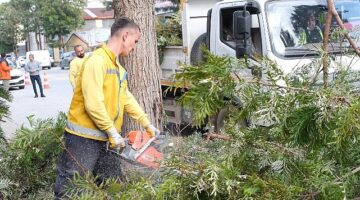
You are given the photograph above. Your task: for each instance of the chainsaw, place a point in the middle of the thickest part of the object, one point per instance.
(140, 149)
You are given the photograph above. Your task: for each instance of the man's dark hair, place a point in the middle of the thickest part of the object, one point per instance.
(2, 59)
(123, 22)
(76, 46)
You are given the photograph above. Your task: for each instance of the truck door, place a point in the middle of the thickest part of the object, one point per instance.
(222, 41)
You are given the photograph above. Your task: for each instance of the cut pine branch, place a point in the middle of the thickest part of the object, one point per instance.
(210, 136)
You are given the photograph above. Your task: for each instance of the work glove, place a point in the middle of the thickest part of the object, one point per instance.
(116, 141)
(152, 131)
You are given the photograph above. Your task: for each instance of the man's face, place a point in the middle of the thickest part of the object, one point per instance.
(31, 58)
(79, 51)
(311, 23)
(130, 37)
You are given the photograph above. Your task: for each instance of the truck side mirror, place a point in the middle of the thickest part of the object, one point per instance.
(242, 31)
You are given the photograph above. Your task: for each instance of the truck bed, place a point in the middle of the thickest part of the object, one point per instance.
(172, 56)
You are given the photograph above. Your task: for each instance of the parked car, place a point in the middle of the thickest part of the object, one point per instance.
(22, 61)
(11, 63)
(43, 56)
(66, 58)
(8, 56)
(17, 77)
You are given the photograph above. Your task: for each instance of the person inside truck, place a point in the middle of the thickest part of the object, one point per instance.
(228, 33)
(312, 33)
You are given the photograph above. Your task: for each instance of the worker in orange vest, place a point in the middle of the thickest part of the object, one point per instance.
(5, 72)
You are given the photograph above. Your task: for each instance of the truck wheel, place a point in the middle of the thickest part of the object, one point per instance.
(196, 55)
(221, 118)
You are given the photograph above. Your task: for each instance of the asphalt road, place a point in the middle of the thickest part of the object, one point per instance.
(58, 98)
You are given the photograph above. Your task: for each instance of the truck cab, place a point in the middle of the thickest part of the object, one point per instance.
(289, 32)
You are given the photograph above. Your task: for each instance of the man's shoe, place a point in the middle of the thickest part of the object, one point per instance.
(36, 96)
(42, 95)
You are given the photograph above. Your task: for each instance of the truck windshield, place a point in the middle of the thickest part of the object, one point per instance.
(296, 27)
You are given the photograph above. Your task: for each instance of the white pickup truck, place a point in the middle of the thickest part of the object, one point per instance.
(288, 32)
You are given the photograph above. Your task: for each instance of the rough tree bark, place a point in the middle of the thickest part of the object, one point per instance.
(326, 46)
(37, 40)
(142, 64)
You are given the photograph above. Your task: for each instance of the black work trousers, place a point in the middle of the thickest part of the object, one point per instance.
(82, 155)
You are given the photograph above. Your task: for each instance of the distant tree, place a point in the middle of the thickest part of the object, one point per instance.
(49, 17)
(10, 28)
(28, 13)
(60, 17)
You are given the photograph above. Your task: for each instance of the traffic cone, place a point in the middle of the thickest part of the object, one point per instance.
(27, 79)
(46, 82)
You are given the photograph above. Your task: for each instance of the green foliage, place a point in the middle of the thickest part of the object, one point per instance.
(170, 29)
(53, 18)
(28, 13)
(61, 17)
(303, 142)
(210, 86)
(5, 97)
(28, 161)
(320, 124)
(5, 185)
(10, 33)
(168, 32)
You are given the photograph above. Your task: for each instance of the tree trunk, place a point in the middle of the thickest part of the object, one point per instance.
(333, 13)
(116, 6)
(60, 39)
(28, 41)
(40, 39)
(143, 64)
(325, 59)
(37, 41)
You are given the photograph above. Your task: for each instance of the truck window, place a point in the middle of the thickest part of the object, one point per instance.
(296, 28)
(227, 32)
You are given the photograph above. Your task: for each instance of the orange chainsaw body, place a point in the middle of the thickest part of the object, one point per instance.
(150, 157)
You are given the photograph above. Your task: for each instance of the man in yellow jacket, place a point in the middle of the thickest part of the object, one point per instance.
(76, 64)
(100, 99)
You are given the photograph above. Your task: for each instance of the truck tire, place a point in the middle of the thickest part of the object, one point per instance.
(196, 55)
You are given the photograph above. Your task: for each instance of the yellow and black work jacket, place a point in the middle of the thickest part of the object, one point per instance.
(101, 97)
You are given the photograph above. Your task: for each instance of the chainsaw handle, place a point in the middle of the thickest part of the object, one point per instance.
(116, 150)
